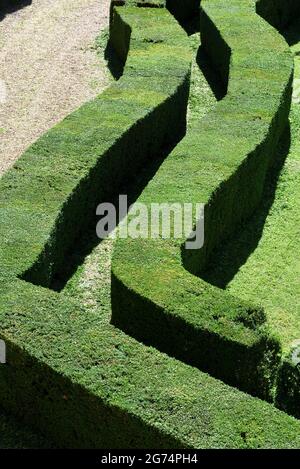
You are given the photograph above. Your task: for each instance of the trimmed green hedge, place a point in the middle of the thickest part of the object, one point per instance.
(222, 162)
(15, 435)
(288, 387)
(106, 142)
(86, 384)
(76, 377)
(279, 13)
(14, 3)
(183, 10)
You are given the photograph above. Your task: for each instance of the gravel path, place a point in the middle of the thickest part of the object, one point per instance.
(47, 68)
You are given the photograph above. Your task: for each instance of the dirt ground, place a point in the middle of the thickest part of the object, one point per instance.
(47, 68)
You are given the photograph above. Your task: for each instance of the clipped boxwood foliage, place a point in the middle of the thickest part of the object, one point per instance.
(278, 12)
(83, 160)
(14, 3)
(222, 163)
(288, 385)
(86, 384)
(68, 371)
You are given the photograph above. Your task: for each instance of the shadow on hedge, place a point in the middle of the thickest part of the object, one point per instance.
(88, 240)
(10, 6)
(227, 260)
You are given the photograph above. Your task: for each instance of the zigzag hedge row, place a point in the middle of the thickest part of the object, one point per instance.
(81, 380)
(222, 162)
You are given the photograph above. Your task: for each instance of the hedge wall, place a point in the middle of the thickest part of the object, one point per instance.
(106, 141)
(79, 379)
(222, 163)
(279, 13)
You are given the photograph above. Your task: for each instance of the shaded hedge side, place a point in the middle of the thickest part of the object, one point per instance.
(68, 372)
(288, 386)
(279, 13)
(106, 141)
(222, 163)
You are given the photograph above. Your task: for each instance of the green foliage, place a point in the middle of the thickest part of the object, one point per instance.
(261, 261)
(81, 380)
(222, 163)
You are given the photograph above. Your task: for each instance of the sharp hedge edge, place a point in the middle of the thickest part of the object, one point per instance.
(81, 381)
(222, 163)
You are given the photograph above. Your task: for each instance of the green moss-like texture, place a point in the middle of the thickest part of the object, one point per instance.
(183, 10)
(81, 380)
(222, 163)
(84, 159)
(288, 385)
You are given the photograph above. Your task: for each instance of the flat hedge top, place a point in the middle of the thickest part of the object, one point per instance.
(52, 331)
(210, 166)
(140, 3)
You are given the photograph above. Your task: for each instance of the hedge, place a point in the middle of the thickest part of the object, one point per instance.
(79, 379)
(14, 3)
(106, 141)
(279, 13)
(288, 386)
(183, 10)
(222, 163)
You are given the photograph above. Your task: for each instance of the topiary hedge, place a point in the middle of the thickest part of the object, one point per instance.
(222, 163)
(106, 141)
(76, 377)
(86, 384)
(288, 386)
(279, 13)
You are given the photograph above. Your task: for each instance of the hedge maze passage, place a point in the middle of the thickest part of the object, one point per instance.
(140, 343)
(14, 435)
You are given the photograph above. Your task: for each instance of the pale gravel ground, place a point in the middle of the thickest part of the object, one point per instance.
(49, 67)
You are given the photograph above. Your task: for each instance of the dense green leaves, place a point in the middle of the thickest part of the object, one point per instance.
(222, 163)
(70, 372)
